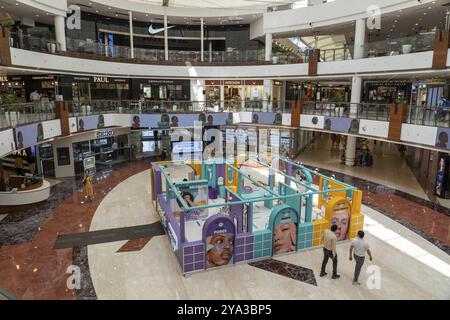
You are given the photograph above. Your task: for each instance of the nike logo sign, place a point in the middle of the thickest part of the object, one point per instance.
(154, 31)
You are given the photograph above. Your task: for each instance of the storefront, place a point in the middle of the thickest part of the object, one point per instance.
(85, 88)
(160, 89)
(106, 149)
(427, 93)
(213, 92)
(12, 89)
(387, 91)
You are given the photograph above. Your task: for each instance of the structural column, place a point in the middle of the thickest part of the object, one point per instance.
(358, 53)
(166, 40)
(360, 38)
(268, 51)
(131, 35)
(202, 40)
(60, 32)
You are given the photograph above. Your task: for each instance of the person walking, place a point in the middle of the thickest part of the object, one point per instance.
(88, 192)
(18, 163)
(359, 247)
(329, 251)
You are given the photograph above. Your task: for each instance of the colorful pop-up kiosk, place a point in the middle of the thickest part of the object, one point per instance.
(221, 212)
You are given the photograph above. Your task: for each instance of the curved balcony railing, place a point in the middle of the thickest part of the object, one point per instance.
(369, 111)
(85, 48)
(24, 113)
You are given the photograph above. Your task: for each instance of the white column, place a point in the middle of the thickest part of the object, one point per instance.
(210, 51)
(201, 40)
(360, 38)
(355, 95)
(166, 40)
(131, 35)
(350, 151)
(268, 52)
(60, 32)
(222, 97)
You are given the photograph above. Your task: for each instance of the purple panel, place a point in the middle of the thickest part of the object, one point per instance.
(249, 240)
(199, 265)
(199, 248)
(239, 257)
(249, 247)
(188, 267)
(170, 216)
(199, 257)
(289, 172)
(188, 250)
(189, 258)
(239, 241)
(249, 256)
(239, 249)
(220, 170)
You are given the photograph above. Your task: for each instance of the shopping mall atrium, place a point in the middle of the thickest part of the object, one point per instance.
(224, 150)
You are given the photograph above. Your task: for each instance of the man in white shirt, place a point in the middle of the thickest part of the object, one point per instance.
(329, 251)
(359, 248)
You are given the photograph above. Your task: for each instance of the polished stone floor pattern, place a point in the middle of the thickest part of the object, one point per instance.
(108, 235)
(287, 270)
(411, 266)
(385, 187)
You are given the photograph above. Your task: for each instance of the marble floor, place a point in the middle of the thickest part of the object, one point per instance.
(389, 169)
(409, 264)
(389, 186)
(409, 267)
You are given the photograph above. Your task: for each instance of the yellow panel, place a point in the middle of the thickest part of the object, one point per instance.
(356, 201)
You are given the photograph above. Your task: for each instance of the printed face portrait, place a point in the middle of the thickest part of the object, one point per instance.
(81, 125)
(210, 120)
(202, 117)
(20, 139)
(284, 237)
(136, 122)
(174, 121)
(327, 124)
(40, 132)
(443, 139)
(165, 118)
(220, 248)
(341, 217)
(255, 118)
(101, 121)
(442, 164)
(278, 119)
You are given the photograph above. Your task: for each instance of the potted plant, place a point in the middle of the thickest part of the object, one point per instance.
(51, 45)
(407, 46)
(10, 98)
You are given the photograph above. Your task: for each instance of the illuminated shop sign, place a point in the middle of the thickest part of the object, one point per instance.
(3, 79)
(101, 79)
(104, 134)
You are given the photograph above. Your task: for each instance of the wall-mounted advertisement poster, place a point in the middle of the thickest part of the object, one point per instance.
(219, 238)
(29, 135)
(267, 118)
(442, 175)
(284, 230)
(90, 122)
(347, 125)
(442, 138)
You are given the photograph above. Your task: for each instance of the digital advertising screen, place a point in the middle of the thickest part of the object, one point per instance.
(187, 147)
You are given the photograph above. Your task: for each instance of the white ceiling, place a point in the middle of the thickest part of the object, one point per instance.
(217, 4)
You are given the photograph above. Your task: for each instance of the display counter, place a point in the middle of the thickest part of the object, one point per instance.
(31, 194)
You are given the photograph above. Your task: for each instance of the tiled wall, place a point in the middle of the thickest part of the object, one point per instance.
(356, 224)
(243, 247)
(262, 244)
(305, 236)
(194, 257)
(319, 227)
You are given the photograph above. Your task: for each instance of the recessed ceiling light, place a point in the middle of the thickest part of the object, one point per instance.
(395, 21)
(146, 15)
(424, 13)
(429, 8)
(109, 8)
(36, 15)
(417, 24)
(116, 15)
(96, 11)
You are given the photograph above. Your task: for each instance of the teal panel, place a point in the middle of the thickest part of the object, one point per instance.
(267, 252)
(257, 254)
(258, 246)
(268, 236)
